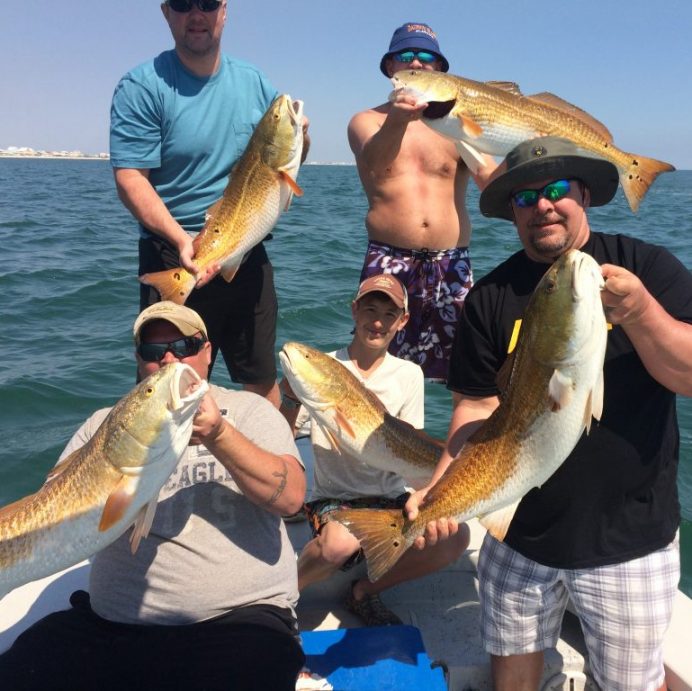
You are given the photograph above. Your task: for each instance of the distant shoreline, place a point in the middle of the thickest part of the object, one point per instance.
(106, 157)
(67, 157)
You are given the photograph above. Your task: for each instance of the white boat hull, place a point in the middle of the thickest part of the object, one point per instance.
(443, 606)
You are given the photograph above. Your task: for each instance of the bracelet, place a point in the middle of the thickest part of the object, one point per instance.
(290, 402)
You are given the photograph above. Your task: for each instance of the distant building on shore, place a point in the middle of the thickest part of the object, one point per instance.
(27, 152)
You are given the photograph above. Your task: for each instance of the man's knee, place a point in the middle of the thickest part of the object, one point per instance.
(336, 544)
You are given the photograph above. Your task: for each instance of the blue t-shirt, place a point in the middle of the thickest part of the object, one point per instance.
(187, 130)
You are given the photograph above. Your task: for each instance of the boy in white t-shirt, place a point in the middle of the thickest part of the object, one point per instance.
(379, 310)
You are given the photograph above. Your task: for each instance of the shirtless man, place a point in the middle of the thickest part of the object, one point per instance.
(417, 223)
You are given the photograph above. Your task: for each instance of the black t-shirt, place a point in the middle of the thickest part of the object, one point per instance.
(615, 497)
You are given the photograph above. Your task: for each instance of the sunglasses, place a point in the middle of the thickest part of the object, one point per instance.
(181, 348)
(409, 56)
(552, 192)
(186, 5)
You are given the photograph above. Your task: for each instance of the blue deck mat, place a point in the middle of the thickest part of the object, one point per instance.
(372, 659)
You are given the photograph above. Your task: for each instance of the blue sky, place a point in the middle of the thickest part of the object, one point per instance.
(627, 62)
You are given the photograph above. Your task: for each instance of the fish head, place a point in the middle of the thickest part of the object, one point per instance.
(312, 374)
(154, 421)
(279, 134)
(437, 89)
(565, 315)
(447, 100)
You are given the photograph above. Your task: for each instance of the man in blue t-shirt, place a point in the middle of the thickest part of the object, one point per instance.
(178, 125)
(602, 529)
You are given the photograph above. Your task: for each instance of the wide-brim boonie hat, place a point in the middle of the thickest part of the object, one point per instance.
(186, 320)
(545, 158)
(414, 35)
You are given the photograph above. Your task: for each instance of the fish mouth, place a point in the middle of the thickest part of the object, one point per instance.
(293, 359)
(187, 387)
(295, 110)
(285, 356)
(438, 109)
(583, 270)
(435, 110)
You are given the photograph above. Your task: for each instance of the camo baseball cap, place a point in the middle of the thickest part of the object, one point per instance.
(387, 284)
(414, 35)
(187, 321)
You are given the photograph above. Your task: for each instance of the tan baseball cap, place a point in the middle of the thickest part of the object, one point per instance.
(187, 321)
(387, 284)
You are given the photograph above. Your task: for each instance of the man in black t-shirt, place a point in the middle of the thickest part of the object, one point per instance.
(603, 528)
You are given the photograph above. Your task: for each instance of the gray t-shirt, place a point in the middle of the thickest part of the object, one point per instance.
(210, 550)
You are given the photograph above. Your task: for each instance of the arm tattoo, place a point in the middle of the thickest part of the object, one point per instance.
(282, 484)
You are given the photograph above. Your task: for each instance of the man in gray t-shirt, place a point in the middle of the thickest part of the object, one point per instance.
(208, 600)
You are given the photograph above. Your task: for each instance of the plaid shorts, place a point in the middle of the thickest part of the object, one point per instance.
(624, 610)
(319, 513)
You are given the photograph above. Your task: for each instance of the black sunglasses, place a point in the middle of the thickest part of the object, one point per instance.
(181, 348)
(186, 5)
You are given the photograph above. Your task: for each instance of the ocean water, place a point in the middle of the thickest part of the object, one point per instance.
(69, 295)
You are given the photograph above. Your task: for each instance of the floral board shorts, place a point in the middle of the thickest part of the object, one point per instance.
(319, 512)
(437, 282)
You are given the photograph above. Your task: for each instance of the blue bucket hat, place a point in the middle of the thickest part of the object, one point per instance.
(413, 35)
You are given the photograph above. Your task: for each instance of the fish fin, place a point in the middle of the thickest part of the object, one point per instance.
(497, 522)
(295, 187)
(332, 439)
(142, 524)
(594, 403)
(422, 434)
(117, 503)
(393, 421)
(587, 412)
(212, 211)
(470, 156)
(560, 390)
(639, 175)
(173, 284)
(7, 511)
(504, 374)
(471, 127)
(380, 534)
(228, 271)
(548, 99)
(344, 424)
(597, 397)
(510, 87)
(59, 468)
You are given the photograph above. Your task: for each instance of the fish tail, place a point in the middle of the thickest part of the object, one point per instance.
(173, 284)
(639, 175)
(380, 532)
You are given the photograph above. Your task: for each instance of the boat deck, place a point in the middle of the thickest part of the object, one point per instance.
(444, 607)
(441, 610)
